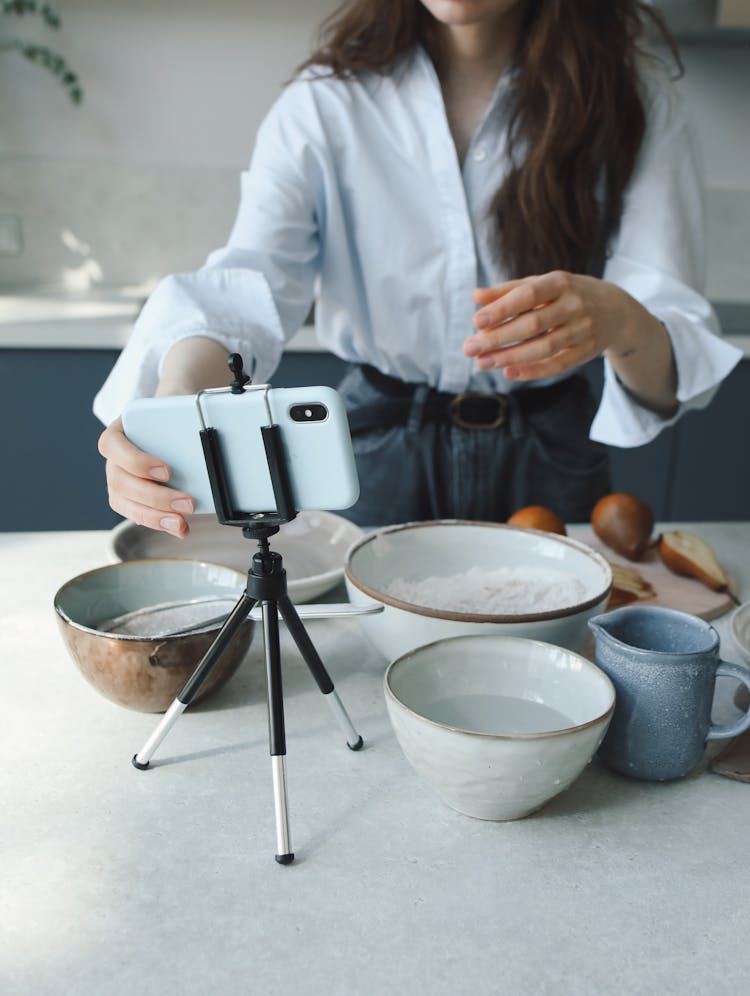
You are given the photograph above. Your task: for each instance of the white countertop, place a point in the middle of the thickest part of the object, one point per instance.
(103, 319)
(116, 882)
(100, 320)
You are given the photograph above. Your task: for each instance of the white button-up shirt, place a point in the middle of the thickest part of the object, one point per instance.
(355, 198)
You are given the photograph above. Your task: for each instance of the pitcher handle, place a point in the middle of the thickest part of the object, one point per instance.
(743, 723)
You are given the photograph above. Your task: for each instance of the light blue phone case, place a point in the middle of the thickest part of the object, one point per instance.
(319, 455)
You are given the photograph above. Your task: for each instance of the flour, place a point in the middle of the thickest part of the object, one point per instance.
(166, 618)
(503, 591)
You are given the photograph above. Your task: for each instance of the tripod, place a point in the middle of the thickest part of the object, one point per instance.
(266, 584)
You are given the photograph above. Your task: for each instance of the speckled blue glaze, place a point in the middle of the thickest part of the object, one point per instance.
(663, 664)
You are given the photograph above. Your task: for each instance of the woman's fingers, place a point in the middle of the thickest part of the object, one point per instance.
(146, 492)
(544, 325)
(534, 350)
(132, 477)
(522, 329)
(115, 446)
(146, 516)
(519, 296)
(485, 295)
(549, 353)
(562, 361)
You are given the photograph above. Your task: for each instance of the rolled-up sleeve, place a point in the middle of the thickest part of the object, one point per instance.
(254, 294)
(657, 256)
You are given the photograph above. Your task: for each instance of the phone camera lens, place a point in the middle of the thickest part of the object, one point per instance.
(314, 412)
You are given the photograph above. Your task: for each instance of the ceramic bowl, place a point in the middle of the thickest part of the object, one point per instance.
(444, 549)
(313, 546)
(740, 629)
(145, 671)
(497, 725)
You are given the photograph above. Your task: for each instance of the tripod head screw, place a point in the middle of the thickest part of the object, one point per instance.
(240, 377)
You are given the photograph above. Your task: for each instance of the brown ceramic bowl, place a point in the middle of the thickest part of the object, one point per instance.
(146, 671)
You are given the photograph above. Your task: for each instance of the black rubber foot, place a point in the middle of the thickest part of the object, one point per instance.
(358, 746)
(285, 859)
(139, 764)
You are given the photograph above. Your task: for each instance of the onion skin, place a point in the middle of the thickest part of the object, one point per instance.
(623, 522)
(538, 517)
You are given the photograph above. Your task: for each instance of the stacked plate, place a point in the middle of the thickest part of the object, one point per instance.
(740, 629)
(313, 546)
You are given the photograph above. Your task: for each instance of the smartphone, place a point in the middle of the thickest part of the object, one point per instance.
(315, 440)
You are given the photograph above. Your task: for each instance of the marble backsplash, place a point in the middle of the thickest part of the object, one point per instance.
(89, 224)
(102, 224)
(728, 244)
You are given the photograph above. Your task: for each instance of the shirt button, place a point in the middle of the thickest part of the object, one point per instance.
(480, 154)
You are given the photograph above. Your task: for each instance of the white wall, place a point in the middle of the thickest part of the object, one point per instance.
(142, 179)
(717, 86)
(166, 82)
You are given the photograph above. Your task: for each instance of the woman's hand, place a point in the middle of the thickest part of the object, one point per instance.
(545, 325)
(136, 480)
(136, 483)
(557, 321)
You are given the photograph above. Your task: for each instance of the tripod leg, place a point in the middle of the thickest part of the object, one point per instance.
(315, 664)
(276, 733)
(186, 694)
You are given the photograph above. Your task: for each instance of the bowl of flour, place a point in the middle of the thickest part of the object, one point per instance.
(454, 578)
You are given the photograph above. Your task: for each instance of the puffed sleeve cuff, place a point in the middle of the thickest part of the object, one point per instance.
(212, 303)
(703, 360)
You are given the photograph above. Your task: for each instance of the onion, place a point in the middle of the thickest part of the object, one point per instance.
(538, 517)
(624, 522)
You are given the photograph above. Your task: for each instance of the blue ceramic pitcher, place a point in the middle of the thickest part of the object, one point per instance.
(663, 664)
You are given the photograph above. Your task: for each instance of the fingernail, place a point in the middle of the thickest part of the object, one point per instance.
(182, 505)
(481, 321)
(159, 473)
(471, 347)
(170, 523)
(485, 363)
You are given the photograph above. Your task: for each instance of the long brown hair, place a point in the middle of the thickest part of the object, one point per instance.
(575, 129)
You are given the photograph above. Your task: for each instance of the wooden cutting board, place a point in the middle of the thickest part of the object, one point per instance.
(672, 590)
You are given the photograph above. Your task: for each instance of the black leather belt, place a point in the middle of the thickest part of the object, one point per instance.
(469, 409)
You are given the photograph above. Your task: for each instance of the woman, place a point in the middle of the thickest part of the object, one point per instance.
(482, 196)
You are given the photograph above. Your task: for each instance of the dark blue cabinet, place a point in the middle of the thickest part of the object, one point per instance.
(53, 476)
(698, 469)
(710, 459)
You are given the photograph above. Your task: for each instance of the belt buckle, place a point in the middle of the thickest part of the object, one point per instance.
(460, 420)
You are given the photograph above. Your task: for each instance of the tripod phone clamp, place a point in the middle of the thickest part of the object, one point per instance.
(266, 584)
(273, 444)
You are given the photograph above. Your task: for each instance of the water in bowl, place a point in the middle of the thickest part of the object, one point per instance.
(501, 715)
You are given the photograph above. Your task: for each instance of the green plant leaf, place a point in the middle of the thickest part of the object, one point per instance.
(47, 11)
(41, 55)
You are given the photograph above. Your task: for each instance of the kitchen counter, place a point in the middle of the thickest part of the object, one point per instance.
(103, 319)
(116, 881)
(100, 319)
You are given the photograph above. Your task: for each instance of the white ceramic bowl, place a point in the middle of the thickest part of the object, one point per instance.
(447, 548)
(740, 629)
(497, 725)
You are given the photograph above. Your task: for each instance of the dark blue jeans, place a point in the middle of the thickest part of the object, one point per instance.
(431, 468)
